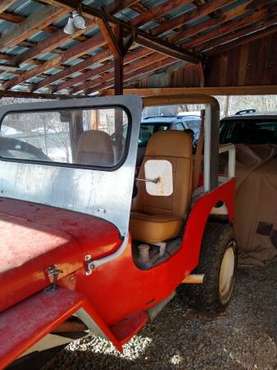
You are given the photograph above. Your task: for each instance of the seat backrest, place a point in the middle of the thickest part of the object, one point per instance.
(95, 148)
(175, 147)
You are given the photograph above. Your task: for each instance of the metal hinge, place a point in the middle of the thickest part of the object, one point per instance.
(89, 265)
(53, 273)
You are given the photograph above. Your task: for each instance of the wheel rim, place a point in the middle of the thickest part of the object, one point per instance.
(226, 275)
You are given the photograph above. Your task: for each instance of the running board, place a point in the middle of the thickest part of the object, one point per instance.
(24, 324)
(27, 322)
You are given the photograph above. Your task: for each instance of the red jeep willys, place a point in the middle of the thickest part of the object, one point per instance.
(85, 239)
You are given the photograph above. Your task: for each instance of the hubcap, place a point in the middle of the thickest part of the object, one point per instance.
(226, 274)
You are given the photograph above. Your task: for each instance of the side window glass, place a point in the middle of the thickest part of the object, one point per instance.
(90, 137)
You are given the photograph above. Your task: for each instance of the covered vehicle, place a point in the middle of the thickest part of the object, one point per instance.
(255, 137)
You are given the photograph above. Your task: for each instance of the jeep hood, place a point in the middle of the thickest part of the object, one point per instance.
(35, 237)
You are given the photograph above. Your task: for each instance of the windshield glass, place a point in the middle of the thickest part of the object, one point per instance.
(89, 137)
(249, 131)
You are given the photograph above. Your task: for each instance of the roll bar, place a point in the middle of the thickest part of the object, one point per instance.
(211, 129)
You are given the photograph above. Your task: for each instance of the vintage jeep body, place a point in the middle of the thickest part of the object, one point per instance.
(68, 246)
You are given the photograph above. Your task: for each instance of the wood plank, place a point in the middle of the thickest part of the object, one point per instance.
(222, 90)
(235, 36)
(109, 36)
(118, 5)
(243, 40)
(34, 23)
(198, 12)
(250, 18)
(5, 4)
(135, 56)
(134, 71)
(73, 52)
(142, 37)
(191, 31)
(156, 12)
(49, 44)
(100, 57)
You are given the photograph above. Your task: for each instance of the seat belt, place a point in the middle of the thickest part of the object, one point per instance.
(198, 154)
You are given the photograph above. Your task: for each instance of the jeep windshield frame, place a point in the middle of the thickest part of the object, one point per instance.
(98, 191)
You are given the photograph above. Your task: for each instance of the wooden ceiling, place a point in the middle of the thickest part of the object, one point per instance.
(37, 58)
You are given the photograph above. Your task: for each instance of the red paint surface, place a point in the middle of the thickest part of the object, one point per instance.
(118, 288)
(28, 321)
(117, 291)
(33, 237)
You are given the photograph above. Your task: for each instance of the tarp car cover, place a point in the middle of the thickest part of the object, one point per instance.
(256, 203)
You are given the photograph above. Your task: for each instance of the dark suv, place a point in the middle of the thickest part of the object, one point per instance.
(249, 127)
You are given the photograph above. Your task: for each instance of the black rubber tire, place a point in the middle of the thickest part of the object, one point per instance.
(217, 239)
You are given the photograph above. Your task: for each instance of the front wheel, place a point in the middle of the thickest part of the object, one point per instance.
(218, 263)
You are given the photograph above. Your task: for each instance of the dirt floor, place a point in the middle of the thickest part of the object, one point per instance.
(243, 337)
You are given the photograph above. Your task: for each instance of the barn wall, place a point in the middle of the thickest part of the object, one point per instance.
(249, 64)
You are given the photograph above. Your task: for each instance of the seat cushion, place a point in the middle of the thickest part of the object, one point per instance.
(154, 228)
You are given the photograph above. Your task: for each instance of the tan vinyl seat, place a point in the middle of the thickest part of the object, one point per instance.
(160, 218)
(95, 148)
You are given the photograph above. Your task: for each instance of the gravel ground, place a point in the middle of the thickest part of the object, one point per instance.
(243, 337)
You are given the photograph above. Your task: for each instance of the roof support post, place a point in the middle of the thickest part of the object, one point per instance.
(118, 63)
(118, 75)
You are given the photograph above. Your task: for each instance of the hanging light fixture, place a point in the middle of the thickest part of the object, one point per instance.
(75, 22)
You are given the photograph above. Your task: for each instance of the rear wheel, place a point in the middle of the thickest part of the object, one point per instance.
(218, 263)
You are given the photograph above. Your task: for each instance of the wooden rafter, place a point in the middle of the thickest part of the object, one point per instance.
(236, 35)
(188, 32)
(118, 5)
(73, 52)
(109, 36)
(135, 56)
(49, 44)
(145, 65)
(243, 40)
(100, 57)
(157, 12)
(5, 4)
(198, 12)
(31, 25)
(142, 37)
(231, 26)
(165, 62)
(219, 28)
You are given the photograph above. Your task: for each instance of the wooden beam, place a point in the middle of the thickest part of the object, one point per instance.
(190, 31)
(73, 52)
(230, 27)
(217, 90)
(166, 48)
(236, 35)
(109, 37)
(34, 23)
(134, 71)
(142, 37)
(84, 76)
(243, 40)
(134, 75)
(118, 75)
(118, 5)
(157, 12)
(198, 12)
(23, 94)
(5, 4)
(49, 44)
(131, 57)
(141, 65)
